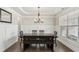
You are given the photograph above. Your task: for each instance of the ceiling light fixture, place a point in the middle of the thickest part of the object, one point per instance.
(38, 19)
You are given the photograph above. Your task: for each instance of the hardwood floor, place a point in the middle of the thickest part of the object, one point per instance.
(60, 48)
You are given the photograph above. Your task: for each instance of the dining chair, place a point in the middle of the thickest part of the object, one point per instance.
(42, 32)
(55, 40)
(21, 40)
(34, 32)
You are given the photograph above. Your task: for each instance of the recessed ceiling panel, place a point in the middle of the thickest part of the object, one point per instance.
(33, 11)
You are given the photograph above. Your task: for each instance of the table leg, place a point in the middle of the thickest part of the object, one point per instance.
(23, 47)
(52, 47)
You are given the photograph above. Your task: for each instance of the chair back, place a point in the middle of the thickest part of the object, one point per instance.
(21, 34)
(41, 31)
(34, 31)
(55, 33)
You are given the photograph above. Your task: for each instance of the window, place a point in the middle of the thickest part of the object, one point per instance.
(71, 30)
(64, 31)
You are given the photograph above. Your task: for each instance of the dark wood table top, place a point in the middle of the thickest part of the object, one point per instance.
(31, 34)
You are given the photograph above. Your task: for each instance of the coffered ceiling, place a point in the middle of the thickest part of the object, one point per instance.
(33, 11)
(44, 11)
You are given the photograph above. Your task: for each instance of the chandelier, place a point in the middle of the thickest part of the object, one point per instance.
(38, 19)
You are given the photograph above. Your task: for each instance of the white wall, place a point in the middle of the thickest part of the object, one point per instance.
(28, 24)
(74, 45)
(9, 31)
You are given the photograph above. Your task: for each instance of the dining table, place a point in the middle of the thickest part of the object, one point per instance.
(45, 38)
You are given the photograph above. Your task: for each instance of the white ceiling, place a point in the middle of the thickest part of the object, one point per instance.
(33, 11)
